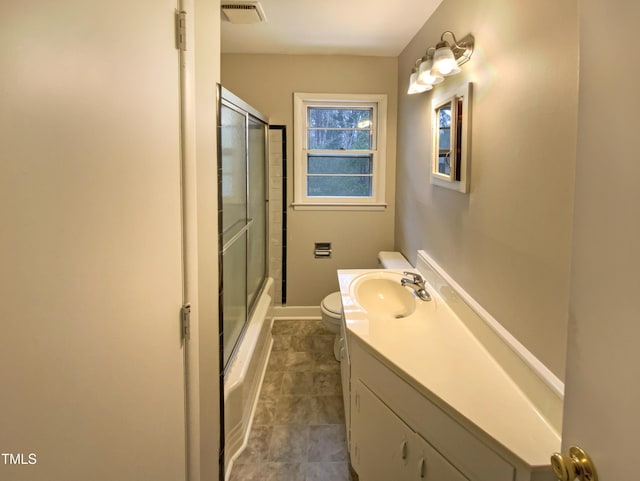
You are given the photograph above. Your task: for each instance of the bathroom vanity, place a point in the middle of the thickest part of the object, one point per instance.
(429, 401)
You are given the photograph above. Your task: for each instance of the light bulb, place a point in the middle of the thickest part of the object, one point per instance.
(414, 86)
(443, 60)
(427, 75)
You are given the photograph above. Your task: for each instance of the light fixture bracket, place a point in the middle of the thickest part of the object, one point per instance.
(463, 49)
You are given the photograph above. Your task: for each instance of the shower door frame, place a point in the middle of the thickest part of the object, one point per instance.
(230, 100)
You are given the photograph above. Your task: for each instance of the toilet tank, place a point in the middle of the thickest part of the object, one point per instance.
(393, 260)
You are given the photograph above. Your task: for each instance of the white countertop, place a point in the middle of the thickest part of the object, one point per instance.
(439, 356)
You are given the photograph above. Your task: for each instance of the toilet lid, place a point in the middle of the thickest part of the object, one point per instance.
(333, 303)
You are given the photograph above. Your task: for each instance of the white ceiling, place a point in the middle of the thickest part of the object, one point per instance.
(331, 27)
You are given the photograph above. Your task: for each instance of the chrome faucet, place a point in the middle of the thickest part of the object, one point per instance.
(416, 282)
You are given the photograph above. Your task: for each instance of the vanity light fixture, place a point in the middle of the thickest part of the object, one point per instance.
(440, 61)
(414, 86)
(427, 75)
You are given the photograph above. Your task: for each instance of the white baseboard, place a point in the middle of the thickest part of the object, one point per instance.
(297, 312)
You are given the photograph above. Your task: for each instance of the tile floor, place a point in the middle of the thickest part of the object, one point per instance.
(298, 431)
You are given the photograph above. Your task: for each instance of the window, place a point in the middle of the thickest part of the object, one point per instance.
(340, 143)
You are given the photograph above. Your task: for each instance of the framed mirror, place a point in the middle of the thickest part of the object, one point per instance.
(450, 120)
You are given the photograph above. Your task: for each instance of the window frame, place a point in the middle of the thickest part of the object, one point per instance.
(378, 102)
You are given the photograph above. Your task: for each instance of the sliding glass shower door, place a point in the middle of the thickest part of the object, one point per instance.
(257, 209)
(243, 201)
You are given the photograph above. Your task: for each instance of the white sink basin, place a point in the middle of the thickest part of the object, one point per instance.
(381, 295)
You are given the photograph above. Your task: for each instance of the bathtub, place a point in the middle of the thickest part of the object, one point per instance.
(244, 377)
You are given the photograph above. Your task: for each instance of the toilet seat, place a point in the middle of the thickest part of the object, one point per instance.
(332, 305)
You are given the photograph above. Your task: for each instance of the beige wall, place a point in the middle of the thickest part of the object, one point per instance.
(268, 82)
(507, 242)
(603, 362)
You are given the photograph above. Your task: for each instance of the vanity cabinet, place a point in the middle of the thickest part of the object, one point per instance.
(428, 400)
(386, 448)
(345, 377)
(398, 433)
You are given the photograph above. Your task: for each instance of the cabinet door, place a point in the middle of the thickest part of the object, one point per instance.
(380, 440)
(429, 465)
(345, 376)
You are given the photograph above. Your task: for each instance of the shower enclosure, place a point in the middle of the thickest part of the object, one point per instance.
(242, 177)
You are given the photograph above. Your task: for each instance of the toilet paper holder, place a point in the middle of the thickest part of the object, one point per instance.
(322, 250)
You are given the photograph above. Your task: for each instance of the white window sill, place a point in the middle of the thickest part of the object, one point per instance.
(338, 206)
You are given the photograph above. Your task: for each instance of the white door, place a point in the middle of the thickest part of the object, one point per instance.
(603, 363)
(91, 363)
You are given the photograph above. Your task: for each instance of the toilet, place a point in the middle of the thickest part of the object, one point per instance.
(331, 305)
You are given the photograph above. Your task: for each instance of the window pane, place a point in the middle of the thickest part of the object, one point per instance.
(322, 164)
(444, 115)
(444, 142)
(339, 186)
(444, 163)
(340, 139)
(335, 117)
(444, 127)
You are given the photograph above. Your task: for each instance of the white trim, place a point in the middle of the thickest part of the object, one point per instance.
(301, 101)
(297, 312)
(190, 143)
(338, 206)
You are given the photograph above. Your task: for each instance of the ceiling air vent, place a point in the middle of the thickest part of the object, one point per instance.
(243, 12)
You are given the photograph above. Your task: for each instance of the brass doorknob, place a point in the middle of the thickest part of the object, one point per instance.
(577, 465)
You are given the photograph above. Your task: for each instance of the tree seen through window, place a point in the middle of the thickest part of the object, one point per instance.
(333, 168)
